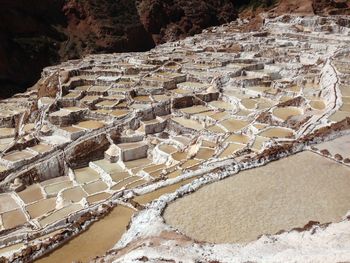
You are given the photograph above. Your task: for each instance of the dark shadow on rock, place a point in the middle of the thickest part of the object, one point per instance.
(38, 33)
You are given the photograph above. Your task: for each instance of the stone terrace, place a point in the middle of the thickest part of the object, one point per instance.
(122, 122)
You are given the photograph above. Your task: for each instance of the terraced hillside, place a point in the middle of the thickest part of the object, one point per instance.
(36, 33)
(127, 134)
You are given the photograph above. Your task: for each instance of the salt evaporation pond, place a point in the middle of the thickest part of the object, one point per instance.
(95, 241)
(279, 196)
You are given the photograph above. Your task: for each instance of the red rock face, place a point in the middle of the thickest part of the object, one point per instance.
(172, 19)
(96, 26)
(310, 7)
(331, 7)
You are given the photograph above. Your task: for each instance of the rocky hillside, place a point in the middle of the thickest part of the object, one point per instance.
(38, 33)
(317, 7)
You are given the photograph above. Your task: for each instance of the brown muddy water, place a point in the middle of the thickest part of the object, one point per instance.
(103, 234)
(97, 240)
(286, 112)
(279, 196)
(146, 198)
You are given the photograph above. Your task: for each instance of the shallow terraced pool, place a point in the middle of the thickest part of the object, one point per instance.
(278, 132)
(287, 112)
(279, 196)
(100, 237)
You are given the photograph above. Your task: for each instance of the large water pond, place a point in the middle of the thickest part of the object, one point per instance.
(279, 196)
